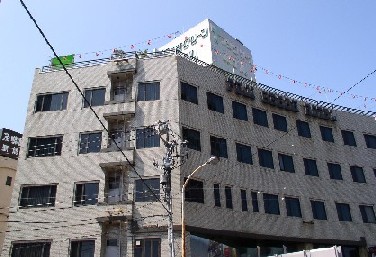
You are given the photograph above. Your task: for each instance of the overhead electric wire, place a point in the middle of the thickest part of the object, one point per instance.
(83, 96)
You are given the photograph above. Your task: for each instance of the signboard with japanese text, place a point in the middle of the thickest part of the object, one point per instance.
(10, 142)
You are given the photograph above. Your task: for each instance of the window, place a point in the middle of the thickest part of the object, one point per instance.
(148, 91)
(335, 171)
(318, 210)
(303, 128)
(90, 142)
(370, 141)
(343, 211)
(255, 205)
(193, 138)
(147, 138)
(40, 249)
(348, 138)
(215, 102)
(218, 147)
(52, 102)
(147, 190)
(38, 196)
(293, 207)
(244, 153)
(368, 214)
(188, 93)
(286, 163)
(94, 97)
(86, 193)
(280, 122)
(84, 248)
(265, 158)
(194, 191)
(243, 195)
(217, 196)
(45, 146)
(239, 111)
(8, 182)
(326, 134)
(310, 167)
(271, 204)
(357, 174)
(228, 195)
(260, 117)
(150, 247)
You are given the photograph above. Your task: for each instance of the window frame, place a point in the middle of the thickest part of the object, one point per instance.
(291, 203)
(242, 152)
(279, 122)
(244, 200)
(370, 141)
(265, 162)
(148, 141)
(217, 194)
(317, 214)
(218, 146)
(365, 214)
(63, 101)
(52, 190)
(26, 244)
(79, 247)
(194, 191)
(90, 100)
(343, 207)
(333, 173)
(186, 94)
(192, 144)
(215, 102)
(239, 111)
(85, 202)
(8, 181)
(58, 148)
(268, 206)
(307, 165)
(260, 117)
(357, 174)
(154, 88)
(143, 194)
(228, 197)
(303, 129)
(327, 134)
(139, 250)
(348, 138)
(282, 159)
(255, 203)
(87, 143)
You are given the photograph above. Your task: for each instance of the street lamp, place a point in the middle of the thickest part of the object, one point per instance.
(212, 160)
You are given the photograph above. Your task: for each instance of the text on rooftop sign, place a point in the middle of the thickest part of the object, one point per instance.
(10, 142)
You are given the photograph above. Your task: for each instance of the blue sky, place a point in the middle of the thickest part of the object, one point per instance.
(330, 45)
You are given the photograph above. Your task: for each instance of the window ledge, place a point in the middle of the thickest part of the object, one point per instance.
(119, 101)
(115, 149)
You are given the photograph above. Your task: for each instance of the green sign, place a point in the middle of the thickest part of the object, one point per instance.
(66, 60)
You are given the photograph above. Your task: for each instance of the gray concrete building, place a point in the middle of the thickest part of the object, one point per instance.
(293, 173)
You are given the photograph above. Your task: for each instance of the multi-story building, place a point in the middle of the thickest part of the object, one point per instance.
(9, 149)
(293, 173)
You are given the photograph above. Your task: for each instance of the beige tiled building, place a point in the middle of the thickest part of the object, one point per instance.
(292, 174)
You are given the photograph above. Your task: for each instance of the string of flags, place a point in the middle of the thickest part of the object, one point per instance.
(320, 89)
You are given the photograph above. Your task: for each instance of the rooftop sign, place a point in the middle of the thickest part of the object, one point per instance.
(10, 142)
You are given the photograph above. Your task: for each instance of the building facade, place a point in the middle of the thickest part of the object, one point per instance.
(292, 175)
(9, 149)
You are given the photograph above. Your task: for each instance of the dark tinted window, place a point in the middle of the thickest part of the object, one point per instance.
(228, 195)
(265, 158)
(318, 210)
(286, 163)
(215, 102)
(303, 128)
(85, 248)
(148, 91)
(52, 102)
(150, 247)
(271, 204)
(280, 122)
(147, 190)
(368, 214)
(94, 97)
(260, 117)
(217, 195)
(335, 171)
(90, 142)
(243, 153)
(86, 194)
(147, 138)
(343, 211)
(38, 196)
(243, 196)
(255, 205)
(293, 207)
(193, 138)
(189, 93)
(239, 111)
(8, 182)
(39, 249)
(310, 167)
(45, 146)
(194, 191)
(327, 134)
(370, 141)
(357, 174)
(348, 138)
(218, 147)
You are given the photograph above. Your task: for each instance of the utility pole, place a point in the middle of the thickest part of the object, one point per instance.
(168, 162)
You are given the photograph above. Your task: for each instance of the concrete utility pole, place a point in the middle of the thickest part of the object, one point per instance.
(168, 162)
